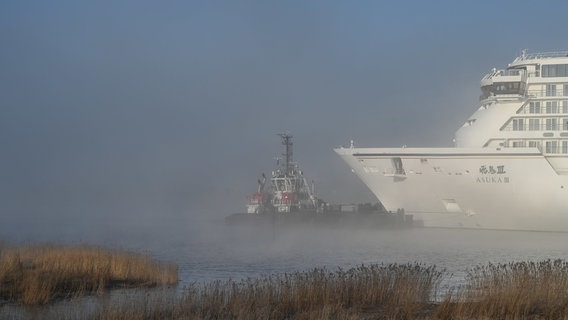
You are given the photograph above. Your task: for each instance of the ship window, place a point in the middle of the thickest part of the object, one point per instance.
(546, 72)
(565, 106)
(533, 144)
(507, 87)
(551, 147)
(565, 91)
(518, 124)
(551, 124)
(518, 144)
(564, 146)
(551, 107)
(534, 124)
(564, 124)
(534, 107)
(550, 90)
(554, 70)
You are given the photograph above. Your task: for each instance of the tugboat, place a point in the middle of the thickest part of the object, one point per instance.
(290, 200)
(289, 190)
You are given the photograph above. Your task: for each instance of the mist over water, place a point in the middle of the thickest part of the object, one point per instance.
(140, 125)
(206, 249)
(228, 252)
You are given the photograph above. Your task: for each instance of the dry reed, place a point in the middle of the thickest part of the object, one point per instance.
(520, 290)
(375, 292)
(35, 275)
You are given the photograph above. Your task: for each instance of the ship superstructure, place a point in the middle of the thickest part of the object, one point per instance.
(509, 166)
(288, 191)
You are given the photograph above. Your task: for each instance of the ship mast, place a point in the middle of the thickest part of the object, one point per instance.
(287, 141)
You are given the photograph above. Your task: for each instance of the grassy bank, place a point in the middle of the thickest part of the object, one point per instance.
(35, 275)
(398, 290)
(521, 290)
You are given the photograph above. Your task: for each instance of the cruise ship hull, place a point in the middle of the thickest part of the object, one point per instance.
(489, 188)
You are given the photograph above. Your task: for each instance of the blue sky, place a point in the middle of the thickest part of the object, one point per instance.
(123, 109)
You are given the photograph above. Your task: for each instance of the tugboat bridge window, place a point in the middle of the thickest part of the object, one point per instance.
(397, 164)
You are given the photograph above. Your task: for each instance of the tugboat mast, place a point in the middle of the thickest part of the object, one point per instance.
(287, 141)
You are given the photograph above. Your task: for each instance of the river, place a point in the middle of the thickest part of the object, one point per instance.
(207, 249)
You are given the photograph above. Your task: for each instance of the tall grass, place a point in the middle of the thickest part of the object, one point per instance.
(35, 275)
(517, 290)
(399, 290)
(396, 291)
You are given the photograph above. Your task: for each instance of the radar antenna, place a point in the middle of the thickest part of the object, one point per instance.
(287, 141)
(523, 54)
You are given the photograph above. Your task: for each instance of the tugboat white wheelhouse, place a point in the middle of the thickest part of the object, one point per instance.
(289, 191)
(509, 166)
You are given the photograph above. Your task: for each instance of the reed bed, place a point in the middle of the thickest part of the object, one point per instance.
(36, 275)
(518, 290)
(397, 289)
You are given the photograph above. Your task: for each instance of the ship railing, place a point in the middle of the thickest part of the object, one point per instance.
(550, 111)
(539, 93)
(505, 73)
(492, 96)
(562, 126)
(551, 148)
(541, 55)
(556, 149)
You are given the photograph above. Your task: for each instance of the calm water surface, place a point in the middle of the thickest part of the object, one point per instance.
(207, 249)
(226, 252)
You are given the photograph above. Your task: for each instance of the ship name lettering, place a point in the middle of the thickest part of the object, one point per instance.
(486, 169)
(492, 180)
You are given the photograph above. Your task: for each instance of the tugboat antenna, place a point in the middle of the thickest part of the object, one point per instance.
(287, 141)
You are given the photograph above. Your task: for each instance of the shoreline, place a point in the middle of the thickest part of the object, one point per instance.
(529, 290)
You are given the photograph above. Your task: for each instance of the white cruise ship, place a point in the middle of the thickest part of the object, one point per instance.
(509, 166)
